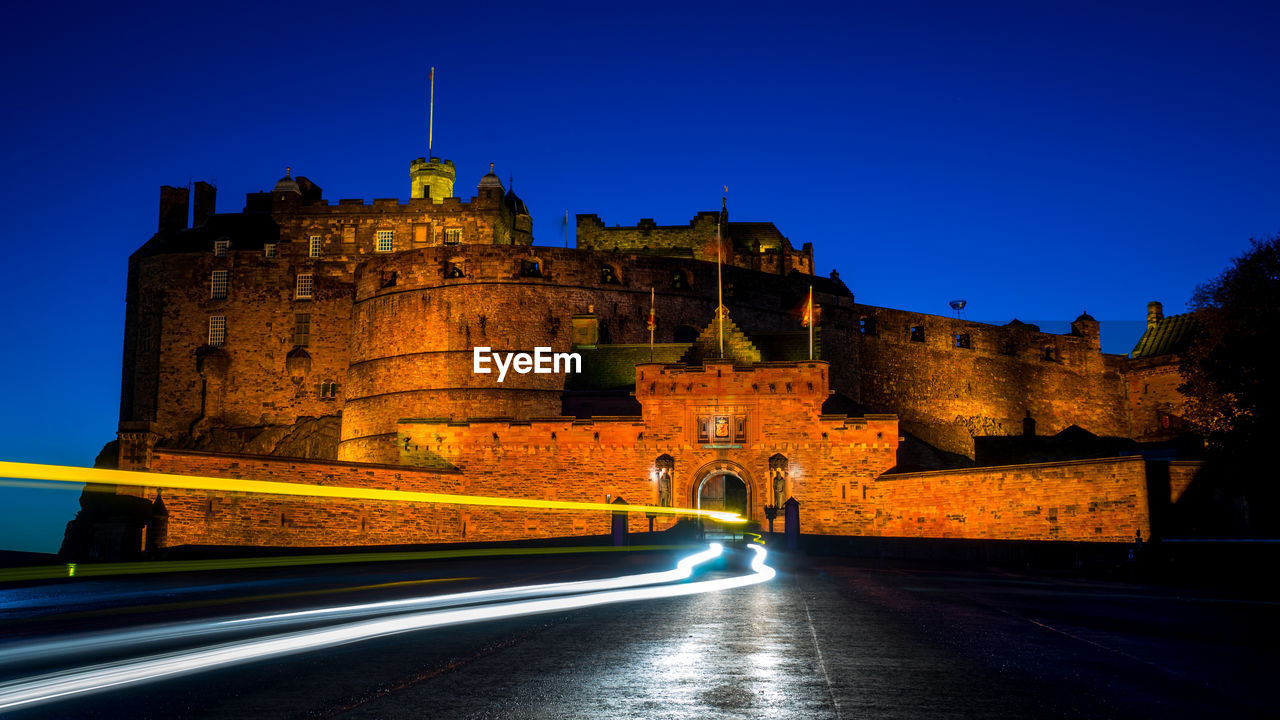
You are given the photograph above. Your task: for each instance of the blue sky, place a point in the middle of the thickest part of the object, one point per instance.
(1036, 159)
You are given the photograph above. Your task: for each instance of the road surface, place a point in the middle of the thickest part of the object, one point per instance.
(826, 638)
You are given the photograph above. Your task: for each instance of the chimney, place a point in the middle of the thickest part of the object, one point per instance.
(1155, 313)
(173, 209)
(203, 199)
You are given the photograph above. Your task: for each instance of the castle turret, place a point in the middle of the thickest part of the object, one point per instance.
(433, 179)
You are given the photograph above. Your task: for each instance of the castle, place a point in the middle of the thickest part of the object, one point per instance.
(311, 341)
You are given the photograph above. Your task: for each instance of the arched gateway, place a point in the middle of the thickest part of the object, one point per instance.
(723, 486)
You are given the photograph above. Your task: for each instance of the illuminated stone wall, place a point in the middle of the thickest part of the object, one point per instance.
(1155, 404)
(758, 246)
(1102, 500)
(946, 394)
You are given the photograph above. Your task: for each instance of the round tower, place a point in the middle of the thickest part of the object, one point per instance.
(432, 178)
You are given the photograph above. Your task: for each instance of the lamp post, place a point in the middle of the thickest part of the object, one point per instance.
(771, 512)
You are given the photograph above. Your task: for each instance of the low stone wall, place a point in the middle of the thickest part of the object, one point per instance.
(1093, 500)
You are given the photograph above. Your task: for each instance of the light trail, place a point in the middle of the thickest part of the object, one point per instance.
(145, 567)
(49, 649)
(133, 478)
(60, 685)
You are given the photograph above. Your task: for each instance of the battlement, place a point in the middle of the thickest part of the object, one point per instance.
(755, 245)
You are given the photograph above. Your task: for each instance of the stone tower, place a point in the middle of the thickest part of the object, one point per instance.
(432, 178)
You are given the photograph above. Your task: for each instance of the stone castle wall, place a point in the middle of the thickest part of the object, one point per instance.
(1155, 404)
(946, 394)
(1092, 500)
(697, 240)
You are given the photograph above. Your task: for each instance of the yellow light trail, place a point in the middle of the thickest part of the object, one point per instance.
(148, 567)
(133, 478)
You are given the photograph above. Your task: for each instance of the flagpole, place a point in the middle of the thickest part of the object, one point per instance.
(719, 290)
(810, 322)
(431, 113)
(652, 323)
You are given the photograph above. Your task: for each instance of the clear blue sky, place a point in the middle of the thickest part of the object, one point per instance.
(1037, 159)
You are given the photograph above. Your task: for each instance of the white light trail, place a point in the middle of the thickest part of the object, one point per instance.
(44, 650)
(60, 685)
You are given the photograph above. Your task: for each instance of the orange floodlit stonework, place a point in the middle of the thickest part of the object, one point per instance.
(301, 340)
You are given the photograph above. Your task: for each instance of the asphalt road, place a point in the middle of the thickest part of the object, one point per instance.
(824, 639)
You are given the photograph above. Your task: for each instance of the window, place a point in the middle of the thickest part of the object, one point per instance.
(608, 276)
(269, 250)
(963, 341)
(303, 287)
(704, 429)
(218, 286)
(453, 269)
(328, 390)
(1050, 353)
(314, 246)
(220, 247)
(144, 338)
(530, 268)
(217, 331)
(917, 333)
(679, 280)
(867, 326)
(1008, 347)
(302, 329)
(452, 236)
(386, 243)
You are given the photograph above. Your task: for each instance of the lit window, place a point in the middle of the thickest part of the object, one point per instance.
(452, 236)
(217, 331)
(218, 288)
(917, 333)
(220, 247)
(302, 329)
(385, 242)
(315, 246)
(269, 250)
(304, 287)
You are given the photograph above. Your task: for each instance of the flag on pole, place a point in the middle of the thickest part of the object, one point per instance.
(719, 292)
(808, 320)
(653, 324)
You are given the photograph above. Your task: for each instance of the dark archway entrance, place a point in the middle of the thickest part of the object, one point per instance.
(724, 492)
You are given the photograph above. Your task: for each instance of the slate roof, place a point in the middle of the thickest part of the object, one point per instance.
(1170, 335)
